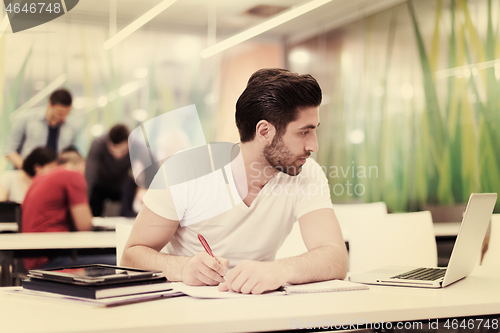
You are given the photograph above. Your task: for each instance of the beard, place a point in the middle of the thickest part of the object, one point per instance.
(281, 158)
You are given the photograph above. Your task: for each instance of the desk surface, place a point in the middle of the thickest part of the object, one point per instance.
(106, 223)
(58, 240)
(107, 238)
(478, 294)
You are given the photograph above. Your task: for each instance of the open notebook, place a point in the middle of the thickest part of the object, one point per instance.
(315, 287)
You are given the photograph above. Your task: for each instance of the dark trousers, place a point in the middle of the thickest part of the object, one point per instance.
(98, 195)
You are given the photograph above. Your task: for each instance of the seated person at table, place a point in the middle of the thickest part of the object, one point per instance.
(57, 202)
(274, 184)
(15, 183)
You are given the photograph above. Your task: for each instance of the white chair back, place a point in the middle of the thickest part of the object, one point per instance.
(492, 255)
(123, 231)
(349, 215)
(293, 244)
(405, 239)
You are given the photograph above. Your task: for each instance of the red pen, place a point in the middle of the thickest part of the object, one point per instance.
(207, 248)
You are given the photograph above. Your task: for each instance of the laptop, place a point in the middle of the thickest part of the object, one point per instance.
(463, 258)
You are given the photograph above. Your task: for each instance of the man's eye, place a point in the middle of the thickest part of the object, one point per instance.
(304, 133)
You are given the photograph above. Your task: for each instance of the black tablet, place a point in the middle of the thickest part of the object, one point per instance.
(94, 274)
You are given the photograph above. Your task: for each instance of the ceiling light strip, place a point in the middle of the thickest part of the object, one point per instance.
(38, 97)
(4, 24)
(262, 27)
(64, 6)
(132, 27)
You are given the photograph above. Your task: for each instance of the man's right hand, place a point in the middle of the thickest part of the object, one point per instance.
(202, 270)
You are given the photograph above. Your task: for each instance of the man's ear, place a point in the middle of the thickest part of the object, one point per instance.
(37, 168)
(264, 131)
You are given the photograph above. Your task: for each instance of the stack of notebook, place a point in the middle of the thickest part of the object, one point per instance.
(96, 281)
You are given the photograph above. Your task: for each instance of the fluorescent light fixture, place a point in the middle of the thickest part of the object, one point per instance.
(102, 101)
(128, 88)
(111, 96)
(38, 97)
(140, 115)
(357, 136)
(273, 22)
(78, 102)
(300, 57)
(407, 91)
(132, 27)
(97, 130)
(467, 69)
(4, 24)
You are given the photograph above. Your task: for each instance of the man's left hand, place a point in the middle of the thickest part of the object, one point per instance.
(254, 277)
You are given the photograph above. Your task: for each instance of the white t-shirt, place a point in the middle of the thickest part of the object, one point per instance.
(240, 232)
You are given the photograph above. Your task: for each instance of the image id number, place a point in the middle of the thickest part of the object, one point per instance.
(34, 8)
(471, 324)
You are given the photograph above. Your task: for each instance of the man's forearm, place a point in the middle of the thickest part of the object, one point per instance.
(15, 159)
(147, 258)
(323, 263)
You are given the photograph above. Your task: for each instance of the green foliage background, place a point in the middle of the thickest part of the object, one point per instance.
(421, 82)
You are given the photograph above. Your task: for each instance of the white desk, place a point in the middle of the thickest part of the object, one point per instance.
(104, 223)
(50, 243)
(58, 240)
(8, 226)
(442, 229)
(478, 294)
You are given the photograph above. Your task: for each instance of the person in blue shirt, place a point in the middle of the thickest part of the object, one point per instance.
(34, 129)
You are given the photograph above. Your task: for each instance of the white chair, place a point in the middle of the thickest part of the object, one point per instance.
(405, 239)
(123, 231)
(293, 244)
(348, 215)
(492, 255)
(352, 215)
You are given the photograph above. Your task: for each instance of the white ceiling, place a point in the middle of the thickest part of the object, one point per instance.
(192, 16)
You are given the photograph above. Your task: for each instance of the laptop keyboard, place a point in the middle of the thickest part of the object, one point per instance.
(429, 274)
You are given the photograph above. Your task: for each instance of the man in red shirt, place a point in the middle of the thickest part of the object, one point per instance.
(57, 202)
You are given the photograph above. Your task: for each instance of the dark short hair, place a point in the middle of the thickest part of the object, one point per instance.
(39, 156)
(61, 96)
(118, 133)
(69, 155)
(275, 95)
(70, 148)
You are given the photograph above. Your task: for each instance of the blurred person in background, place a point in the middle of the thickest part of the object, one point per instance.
(15, 183)
(57, 202)
(167, 144)
(48, 129)
(108, 165)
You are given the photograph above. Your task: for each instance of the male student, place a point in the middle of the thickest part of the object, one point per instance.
(277, 116)
(57, 202)
(48, 129)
